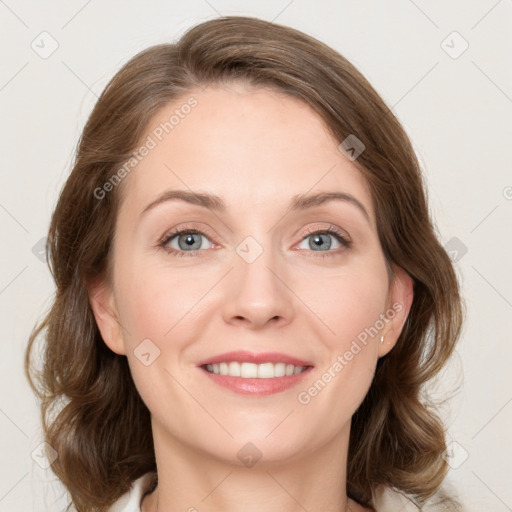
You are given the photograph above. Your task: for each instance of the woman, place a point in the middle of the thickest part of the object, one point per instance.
(250, 292)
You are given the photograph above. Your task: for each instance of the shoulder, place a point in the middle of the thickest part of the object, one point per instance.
(130, 501)
(388, 499)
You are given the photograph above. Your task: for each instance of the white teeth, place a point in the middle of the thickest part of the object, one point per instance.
(265, 371)
(234, 369)
(252, 370)
(248, 370)
(279, 370)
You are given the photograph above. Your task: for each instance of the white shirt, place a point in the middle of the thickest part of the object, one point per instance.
(130, 502)
(387, 499)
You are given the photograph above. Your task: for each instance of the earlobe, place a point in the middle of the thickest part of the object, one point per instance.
(104, 309)
(400, 297)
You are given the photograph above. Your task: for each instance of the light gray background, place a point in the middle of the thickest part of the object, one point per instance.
(457, 112)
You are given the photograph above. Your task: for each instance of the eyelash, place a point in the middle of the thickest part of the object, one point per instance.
(340, 237)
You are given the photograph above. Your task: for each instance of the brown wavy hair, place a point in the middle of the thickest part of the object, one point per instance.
(92, 414)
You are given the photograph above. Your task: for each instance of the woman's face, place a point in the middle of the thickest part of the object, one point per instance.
(252, 276)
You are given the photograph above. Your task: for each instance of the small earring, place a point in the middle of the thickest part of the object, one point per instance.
(382, 339)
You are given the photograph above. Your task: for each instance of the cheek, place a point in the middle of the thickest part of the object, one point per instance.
(351, 308)
(350, 303)
(157, 304)
(155, 300)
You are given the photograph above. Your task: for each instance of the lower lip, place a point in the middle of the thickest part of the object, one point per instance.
(257, 387)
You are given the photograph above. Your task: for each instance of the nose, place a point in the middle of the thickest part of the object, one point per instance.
(257, 292)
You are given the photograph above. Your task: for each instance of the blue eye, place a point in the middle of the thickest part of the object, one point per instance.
(320, 237)
(320, 240)
(190, 243)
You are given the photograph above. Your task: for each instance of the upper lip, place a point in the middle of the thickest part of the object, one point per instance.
(252, 357)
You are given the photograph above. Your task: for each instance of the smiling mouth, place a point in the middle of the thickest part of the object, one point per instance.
(246, 370)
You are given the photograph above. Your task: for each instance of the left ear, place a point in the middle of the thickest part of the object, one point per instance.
(400, 296)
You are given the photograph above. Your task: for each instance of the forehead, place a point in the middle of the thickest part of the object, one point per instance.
(250, 146)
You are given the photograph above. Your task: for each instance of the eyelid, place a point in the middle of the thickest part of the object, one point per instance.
(171, 233)
(331, 229)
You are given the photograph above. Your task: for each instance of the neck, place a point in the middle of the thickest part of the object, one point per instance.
(192, 480)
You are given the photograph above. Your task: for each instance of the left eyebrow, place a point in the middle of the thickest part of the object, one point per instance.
(216, 203)
(304, 201)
